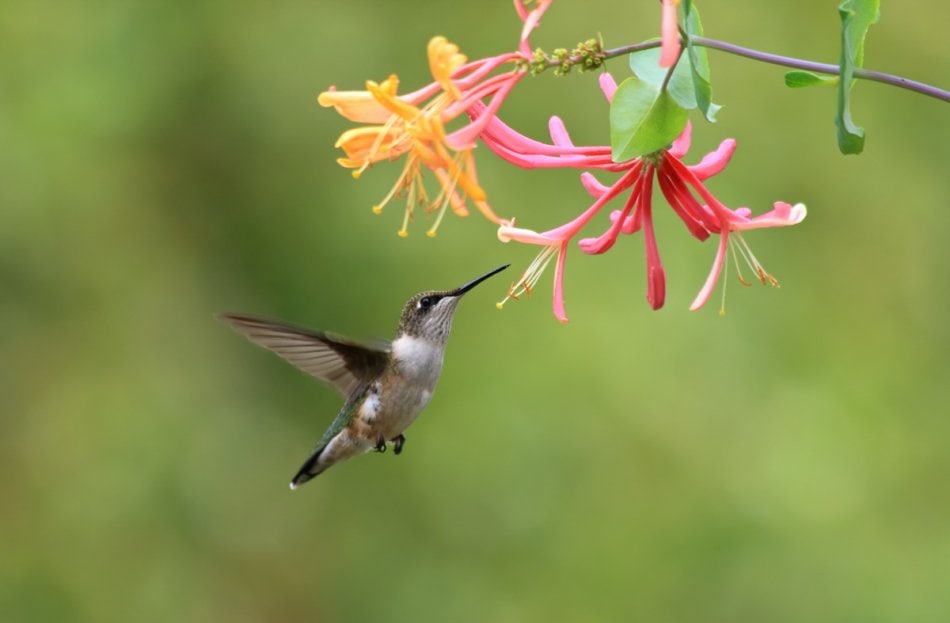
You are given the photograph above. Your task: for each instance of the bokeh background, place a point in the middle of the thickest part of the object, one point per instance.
(160, 162)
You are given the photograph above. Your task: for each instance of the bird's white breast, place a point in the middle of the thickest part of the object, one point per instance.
(418, 359)
(419, 363)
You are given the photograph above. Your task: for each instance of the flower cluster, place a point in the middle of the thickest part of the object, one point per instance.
(413, 125)
(677, 181)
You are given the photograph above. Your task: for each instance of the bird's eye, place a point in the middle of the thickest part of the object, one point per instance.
(426, 301)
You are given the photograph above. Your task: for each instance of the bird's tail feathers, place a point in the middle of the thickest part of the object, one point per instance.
(310, 469)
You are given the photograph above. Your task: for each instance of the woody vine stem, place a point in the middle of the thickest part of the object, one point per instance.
(786, 61)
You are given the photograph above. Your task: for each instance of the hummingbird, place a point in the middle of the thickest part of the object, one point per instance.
(386, 384)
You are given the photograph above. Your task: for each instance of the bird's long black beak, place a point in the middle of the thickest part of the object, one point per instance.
(474, 282)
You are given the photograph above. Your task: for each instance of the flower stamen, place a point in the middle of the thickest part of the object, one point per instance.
(530, 276)
(753, 262)
(735, 258)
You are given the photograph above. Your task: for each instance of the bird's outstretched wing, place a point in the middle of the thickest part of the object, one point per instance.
(342, 362)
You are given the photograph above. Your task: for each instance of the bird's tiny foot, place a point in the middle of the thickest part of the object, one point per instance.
(398, 440)
(381, 446)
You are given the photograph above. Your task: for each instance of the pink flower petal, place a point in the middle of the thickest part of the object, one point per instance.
(571, 228)
(669, 33)
(558, 132)
(681, 174)
(531, 21)
(715, 161)
(782, 215)
(608, 85)
(497, 130)
(508, 232)
(464, 138)
(592, 185)
(603, 243)
(656, 285)
(656, 276)
(521, 9)
(681, 144)
(600, 244)
(698, 221)
(631, 224)
(707, 288)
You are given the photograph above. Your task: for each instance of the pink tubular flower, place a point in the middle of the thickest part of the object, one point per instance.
(679, 183)
(554, 242)
(530, 19)
(412, 125)
(714, 217)
(669, 34)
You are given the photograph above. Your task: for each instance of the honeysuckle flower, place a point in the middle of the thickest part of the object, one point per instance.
(782, 215)
(552, 245)
(669, 34)
(713, 217)
(555, 243)
(680, 184)
(413, 125)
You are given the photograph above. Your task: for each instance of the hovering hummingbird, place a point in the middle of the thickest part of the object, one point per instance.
(386, 384)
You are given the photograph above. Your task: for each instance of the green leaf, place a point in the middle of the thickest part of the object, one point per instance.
(646, 66)
(798, 79)
(643, 119)
(856, 17)
(699, 64)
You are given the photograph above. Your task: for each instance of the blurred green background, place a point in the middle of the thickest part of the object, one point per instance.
(160, 162)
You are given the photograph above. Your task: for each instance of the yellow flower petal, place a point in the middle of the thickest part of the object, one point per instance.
(444, 61)
(366, 145)
(426, 154)
(385, 94)
(358, 106)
